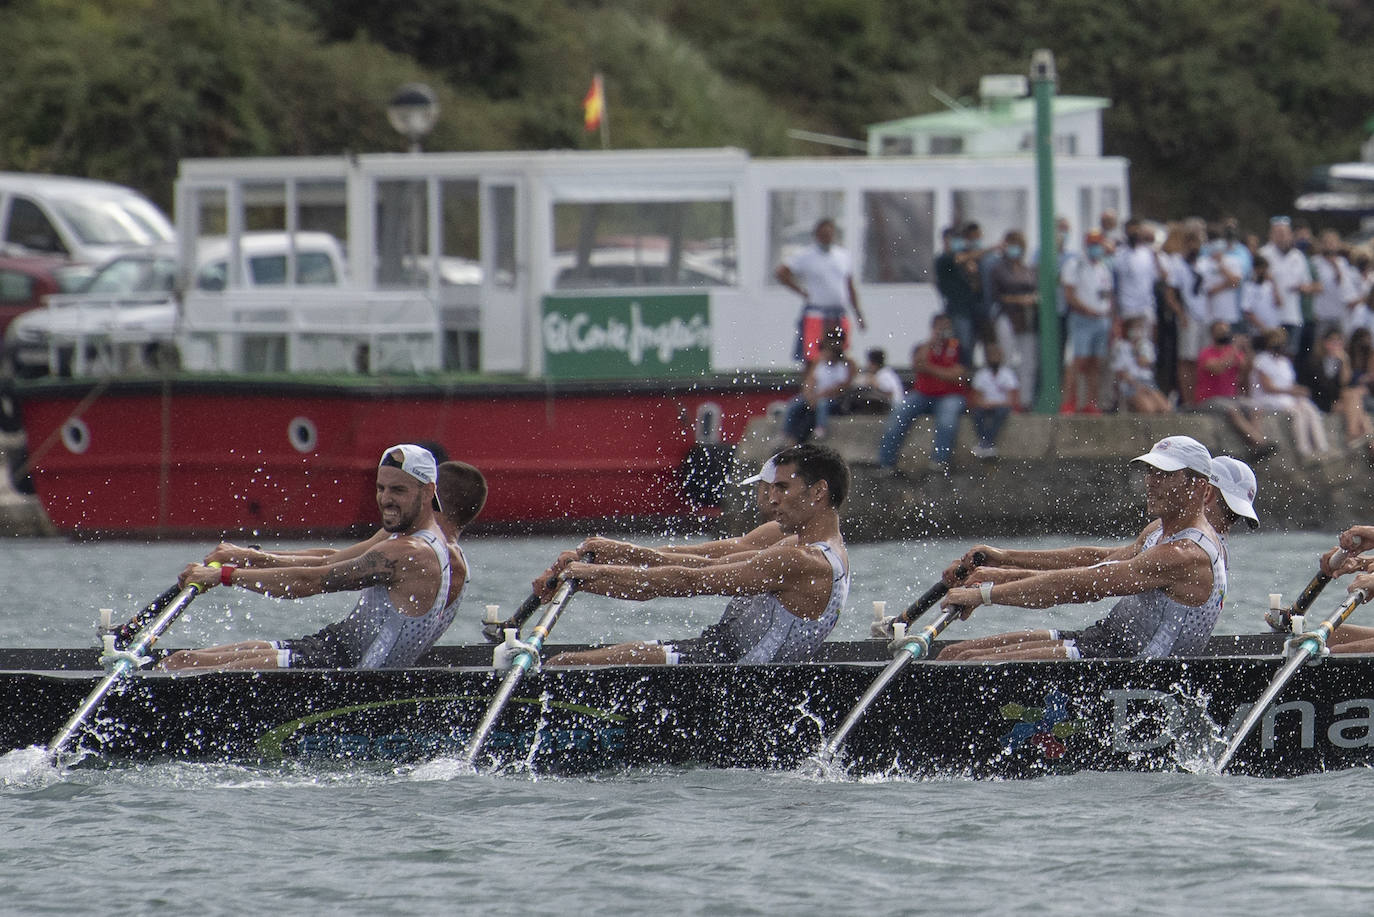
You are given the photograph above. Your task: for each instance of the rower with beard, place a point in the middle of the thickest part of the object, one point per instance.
(785, 598)
(1171, 582)
(411, 583)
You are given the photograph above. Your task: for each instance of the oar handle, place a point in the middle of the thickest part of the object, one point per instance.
(517, 620)
(937, 592)
(124, 634)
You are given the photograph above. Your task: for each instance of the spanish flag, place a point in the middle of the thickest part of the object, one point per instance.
(594, 105)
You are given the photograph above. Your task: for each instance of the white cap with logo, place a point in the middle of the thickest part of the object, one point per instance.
(767, 474)
(416, 461)
(1236, 482)
(1175, 453)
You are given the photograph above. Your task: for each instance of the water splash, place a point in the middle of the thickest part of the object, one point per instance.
(31, 766)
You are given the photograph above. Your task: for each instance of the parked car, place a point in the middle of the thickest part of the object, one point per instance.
(25, 281)
(134, 296)
(83, 220)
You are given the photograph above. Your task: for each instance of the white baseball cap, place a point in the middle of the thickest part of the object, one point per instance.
(767, 474)
(416, 461)
(1236, 482)
(1174, 453)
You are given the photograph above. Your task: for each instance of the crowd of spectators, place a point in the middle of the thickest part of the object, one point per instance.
(1188, 316)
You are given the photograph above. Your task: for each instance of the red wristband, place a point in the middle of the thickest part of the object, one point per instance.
(225, 572)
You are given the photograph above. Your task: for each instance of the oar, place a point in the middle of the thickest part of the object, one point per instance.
(493, 630)
(1302, 649)
(1313, 589)
(915, 647)
(522, 663)
(124, 661)
(125, 633)
(935, 593)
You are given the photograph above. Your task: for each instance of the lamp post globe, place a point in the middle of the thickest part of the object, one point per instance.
(412, 111)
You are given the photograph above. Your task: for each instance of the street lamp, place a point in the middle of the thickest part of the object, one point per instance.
(412, 111)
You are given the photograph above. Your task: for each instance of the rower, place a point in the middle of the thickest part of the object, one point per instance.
(786, 598)
(411, 582)
(1171, 585)
(1353, 638)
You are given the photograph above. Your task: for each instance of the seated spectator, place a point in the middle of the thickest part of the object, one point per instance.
(939, 389)
(826, 380)
(992, 397)
(1361, 352)
(1220, 368)
(877, 387)
(1133, 365)
(1274, 387)
(1334, 391)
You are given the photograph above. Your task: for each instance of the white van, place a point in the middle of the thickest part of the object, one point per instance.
(82, 219)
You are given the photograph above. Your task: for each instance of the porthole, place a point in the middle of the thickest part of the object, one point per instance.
(302, 433)
(76, 436)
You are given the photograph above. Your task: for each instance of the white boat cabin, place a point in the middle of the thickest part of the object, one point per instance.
(618, 263)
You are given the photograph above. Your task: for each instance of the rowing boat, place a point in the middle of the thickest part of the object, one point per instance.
(1021, 719)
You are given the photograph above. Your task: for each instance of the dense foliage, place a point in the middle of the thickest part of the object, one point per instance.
(1221, 105)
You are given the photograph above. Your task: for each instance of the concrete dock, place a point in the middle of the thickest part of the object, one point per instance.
(1063, 475)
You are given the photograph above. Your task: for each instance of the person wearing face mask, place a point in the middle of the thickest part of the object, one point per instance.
(1013, 290)
(1220, 367)
(939, 389)
(1260, 299)
(1274, 387)
(1221, 278)
(1338, 286)
(962, 297)
(1087, 285)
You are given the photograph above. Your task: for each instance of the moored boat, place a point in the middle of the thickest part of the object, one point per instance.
(965, 719)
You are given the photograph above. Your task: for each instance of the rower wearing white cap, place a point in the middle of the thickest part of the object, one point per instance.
(1171, 582)
(411, 584)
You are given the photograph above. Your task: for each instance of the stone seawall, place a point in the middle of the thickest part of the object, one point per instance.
(20, 515)
(1062, 475)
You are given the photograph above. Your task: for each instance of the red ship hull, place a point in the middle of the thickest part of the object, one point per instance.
(195, 457)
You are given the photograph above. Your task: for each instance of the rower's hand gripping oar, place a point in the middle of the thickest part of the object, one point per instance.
(905, 647)
(118, 662)
(525, 657)
(886, 629)
(1302, 648)
(1280, 620)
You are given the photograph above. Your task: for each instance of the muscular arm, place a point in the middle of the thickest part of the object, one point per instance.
(227, 553)
(1047, 558)
(800, 577)
(1180, 568)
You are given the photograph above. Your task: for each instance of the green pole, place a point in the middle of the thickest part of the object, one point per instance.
(1051, 350)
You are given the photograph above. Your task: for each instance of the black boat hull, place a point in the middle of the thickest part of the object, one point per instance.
(974, 720)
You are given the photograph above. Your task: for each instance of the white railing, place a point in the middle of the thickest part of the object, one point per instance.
(334, 329)
(314, 330)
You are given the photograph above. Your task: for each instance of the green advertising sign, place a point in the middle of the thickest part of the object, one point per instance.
(623, 337)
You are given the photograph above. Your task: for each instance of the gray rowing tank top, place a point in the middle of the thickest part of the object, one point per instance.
(773, 633)
(380, 637)
(1152, 624)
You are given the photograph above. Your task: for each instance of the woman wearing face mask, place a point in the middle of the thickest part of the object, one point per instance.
(1273, 387)
(1013, 290)
(1334, 390)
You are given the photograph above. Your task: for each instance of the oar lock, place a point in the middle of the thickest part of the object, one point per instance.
(110, 657)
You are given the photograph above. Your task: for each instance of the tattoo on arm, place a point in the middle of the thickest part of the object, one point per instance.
(372, 569)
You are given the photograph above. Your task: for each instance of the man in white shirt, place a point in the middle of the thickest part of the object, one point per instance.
(823, 275)
(1291, 274)
(1338, 287)
(1137, 269)
(1221, 277)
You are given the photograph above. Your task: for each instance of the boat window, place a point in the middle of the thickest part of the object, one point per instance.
(899, 236)
(402, 228)
(30, 228)
(602, 245)
(502, 199)
(792, 218)
(995, 210)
